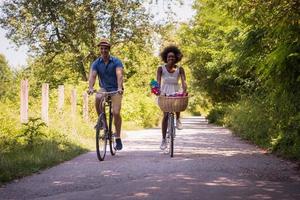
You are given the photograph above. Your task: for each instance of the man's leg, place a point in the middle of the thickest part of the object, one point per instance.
(116, 109)
(98, 102)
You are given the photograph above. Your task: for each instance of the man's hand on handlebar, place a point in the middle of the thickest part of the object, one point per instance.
(120, 91)
(91, 91)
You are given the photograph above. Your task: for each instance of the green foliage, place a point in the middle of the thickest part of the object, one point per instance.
(31, 132)
(71, 28)
(209, 45)
(28, 148)
(244, 57)
(198, 104)
(6, 79)
(140, 108)
(251, 119)
(22, 162)
(216, 114)
(273, 126)
(9, 126)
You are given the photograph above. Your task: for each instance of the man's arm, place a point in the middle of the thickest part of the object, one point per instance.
(92, 80)
(119, 73)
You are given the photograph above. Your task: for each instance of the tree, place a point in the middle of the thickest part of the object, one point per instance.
(209, 43)
(6, 76)
(56, 27)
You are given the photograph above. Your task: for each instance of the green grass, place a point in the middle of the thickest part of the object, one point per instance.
(23, 161)
(25, 149)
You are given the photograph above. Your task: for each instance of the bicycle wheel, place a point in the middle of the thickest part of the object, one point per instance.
(101, 139)
(111, 137)
(112, 144)
(171, 134)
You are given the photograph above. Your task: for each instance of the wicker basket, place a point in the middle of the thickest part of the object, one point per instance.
(172, 104)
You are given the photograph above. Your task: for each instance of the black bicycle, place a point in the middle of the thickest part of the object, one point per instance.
(103, 127)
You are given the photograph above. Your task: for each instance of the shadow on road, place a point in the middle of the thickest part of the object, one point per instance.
(209, 163)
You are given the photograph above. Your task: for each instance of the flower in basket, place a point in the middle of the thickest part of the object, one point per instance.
(154, 87)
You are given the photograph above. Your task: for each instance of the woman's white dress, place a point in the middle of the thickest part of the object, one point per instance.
(170, 81)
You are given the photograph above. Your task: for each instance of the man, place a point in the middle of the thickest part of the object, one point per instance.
(110, 73)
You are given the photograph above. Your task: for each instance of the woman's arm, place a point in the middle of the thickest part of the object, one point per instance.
(183, 79)
(158, 75)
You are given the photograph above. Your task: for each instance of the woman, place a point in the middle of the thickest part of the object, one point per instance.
(168, 79)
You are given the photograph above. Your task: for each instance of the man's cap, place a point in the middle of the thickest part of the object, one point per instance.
(103, 42)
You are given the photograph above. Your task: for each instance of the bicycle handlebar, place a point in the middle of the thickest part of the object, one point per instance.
(107, 93)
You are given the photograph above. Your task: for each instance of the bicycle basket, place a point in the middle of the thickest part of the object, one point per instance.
(172, 104)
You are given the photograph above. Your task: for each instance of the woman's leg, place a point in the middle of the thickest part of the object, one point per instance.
(177, 115)
(164, 125)
(178, 121)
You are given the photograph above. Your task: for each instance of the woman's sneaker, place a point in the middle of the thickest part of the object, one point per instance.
(178, 124)
(163, 145)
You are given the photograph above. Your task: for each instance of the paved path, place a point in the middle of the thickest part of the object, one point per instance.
(209, 164)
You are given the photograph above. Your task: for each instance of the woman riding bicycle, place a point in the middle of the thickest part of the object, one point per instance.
(168, 79)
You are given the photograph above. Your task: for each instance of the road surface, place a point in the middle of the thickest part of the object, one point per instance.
(209, 163)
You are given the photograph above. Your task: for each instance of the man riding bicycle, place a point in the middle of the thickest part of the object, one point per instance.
(110, 74)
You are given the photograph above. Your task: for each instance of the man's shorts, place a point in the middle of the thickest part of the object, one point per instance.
(116, 100)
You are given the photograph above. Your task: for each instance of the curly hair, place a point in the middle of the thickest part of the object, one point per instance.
(168, 49)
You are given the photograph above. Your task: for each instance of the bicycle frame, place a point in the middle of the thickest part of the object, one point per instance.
(171, 132)
(107, 134)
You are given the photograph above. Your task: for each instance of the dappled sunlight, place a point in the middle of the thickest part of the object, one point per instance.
(60, 183)
(224, 181)
(206, 163)
(141, 194)
(109, 173)
(208, 141)
(152, 188)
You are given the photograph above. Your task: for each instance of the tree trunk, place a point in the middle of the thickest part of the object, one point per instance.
(82, 69)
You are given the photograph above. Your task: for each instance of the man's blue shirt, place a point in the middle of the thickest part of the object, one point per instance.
(107, 72)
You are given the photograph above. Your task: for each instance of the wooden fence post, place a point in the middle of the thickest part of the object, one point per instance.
(73, 102)
(24, 101)
(45, 102)
(61, 98)
(85, 106)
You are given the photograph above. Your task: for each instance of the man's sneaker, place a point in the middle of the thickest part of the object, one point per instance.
(119, 145)
(178, 124)
(163, 145)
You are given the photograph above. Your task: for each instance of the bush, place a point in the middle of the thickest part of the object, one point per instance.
(140, 109)
(216, 114)
(251, 120)
(270, 124)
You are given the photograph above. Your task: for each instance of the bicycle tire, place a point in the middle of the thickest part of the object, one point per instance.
(112, 145)
(101, 142)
